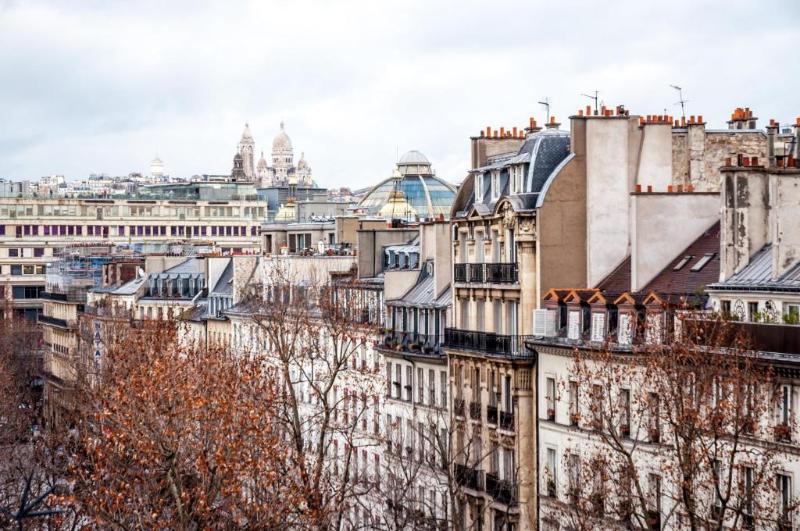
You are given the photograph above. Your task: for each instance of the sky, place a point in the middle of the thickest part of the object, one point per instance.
(102, 86)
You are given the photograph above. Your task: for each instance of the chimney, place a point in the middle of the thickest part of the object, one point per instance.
(532, 127)
(553, 124)
(772, 130)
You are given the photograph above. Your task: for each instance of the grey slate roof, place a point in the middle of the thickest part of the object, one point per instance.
(225, 283)
(757, 276)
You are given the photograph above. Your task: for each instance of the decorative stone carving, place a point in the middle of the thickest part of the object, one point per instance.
(509, 216)
(528, 226)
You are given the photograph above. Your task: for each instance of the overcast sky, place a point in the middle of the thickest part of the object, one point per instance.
(102, 86)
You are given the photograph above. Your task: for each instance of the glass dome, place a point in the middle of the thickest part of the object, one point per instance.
(428, 195)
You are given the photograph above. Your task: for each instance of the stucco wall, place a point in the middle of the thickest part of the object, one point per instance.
(561, 231)
(607, 189)
(665, 224)
(655, 160)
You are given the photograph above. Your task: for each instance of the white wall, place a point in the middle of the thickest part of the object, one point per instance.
(655, 161)
(663, 226)
(607, 201)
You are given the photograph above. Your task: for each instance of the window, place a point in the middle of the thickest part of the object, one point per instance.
(747, 495)
(784, 487)
(13, 253)
(551, 398)
(420, 386)
(683, 262)
(752, 311)
(574, 470)
(409, 379)
(625, 332)
(706, 258)
(654, 407)
(574, 412)
(597, 407)
(432, 387)
(725, 307)
(625, 412)
(550, 473)
(495, 185)
(654, 501)
(792, 314)
(443, 387)
(784, 413)
(573, 325)
(398, 376)
(479, 188)
(598, 326)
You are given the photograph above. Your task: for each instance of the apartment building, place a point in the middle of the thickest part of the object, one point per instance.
(419, 461)
(33, 229)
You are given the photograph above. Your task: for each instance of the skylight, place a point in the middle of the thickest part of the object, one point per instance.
(683, 262)
(702, 262)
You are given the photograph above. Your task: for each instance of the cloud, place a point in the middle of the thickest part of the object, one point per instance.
(102, 86)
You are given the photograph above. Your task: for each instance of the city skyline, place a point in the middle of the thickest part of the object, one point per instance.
(104, 88)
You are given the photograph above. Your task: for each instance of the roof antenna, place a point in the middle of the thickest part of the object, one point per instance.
(596, 92)
(682, 102)
(546, 103)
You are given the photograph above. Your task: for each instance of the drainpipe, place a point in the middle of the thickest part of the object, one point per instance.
(772, 128)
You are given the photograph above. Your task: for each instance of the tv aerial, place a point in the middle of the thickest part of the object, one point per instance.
(682, 102)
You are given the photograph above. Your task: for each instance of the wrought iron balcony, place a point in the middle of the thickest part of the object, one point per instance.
(507, 420)
(491, 414)
(488, 342)
(494, 273)
(55, 321)
(503, 491)
(468, 477)
(460, 273)
(413, 342)
(475, 410)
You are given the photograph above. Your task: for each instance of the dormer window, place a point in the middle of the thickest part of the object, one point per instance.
(574, 325)
(479, 188)
(625, 330)
(683, 262)
(598, 326)
(495, 185)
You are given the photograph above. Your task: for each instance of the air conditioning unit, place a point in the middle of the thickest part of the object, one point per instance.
(544, 323)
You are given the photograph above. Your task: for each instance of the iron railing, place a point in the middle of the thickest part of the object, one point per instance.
(501, 490)
(468, 477)
(488, 342)
(494, 273)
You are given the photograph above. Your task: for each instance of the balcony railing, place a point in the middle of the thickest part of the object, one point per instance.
(55, 321)
(494, 273)
(475, 410)
(412, 342)
(468, 477)
(491, 414)
(501, 490)
(507, 420)
(488, 342)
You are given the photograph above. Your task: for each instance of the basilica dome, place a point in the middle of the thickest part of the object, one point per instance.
(281, 142)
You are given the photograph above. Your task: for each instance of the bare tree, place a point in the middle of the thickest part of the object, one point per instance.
(165, 436)
(676, 434)
(316, 336)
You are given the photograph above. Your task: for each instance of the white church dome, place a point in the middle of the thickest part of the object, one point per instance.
(282, 142)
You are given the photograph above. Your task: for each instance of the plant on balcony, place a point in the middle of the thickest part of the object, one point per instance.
(783, 432)
(574, 418)
(654, 434)
(551, 414)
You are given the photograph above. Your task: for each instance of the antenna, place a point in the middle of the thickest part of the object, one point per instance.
(546, 103)
(682, 102)
(594, 98)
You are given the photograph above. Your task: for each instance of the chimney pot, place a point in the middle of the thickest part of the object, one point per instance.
(700, 119)
(727, 161)
(690, 187)
(691, 119)
(638, 188)
(680, 188)
(552, 119)
(739, 160)
(515, 131)
(580, 112)
(754, 161)
(502, 131)
(683, 120)
(488, 131)
(669, 188)
(746, 161)
(589, 111)
(649, 188)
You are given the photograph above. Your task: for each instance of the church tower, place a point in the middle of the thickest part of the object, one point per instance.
(237, 173)
(246, 148)
(263, 176)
